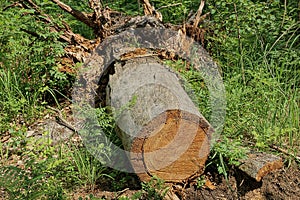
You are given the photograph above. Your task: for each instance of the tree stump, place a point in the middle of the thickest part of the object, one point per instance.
(165, 134)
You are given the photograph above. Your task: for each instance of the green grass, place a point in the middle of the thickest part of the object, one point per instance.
(15, 104)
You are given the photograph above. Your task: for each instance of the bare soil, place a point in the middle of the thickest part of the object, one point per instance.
(282, 184)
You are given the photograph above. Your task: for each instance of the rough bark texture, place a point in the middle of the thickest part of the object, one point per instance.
(257, 165)
(164, 132)
(149, 33)
(104, 22)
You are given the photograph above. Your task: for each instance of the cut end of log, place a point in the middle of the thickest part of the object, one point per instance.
(259, 165)
(174, 146)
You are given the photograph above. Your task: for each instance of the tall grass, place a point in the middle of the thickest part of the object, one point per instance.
(264, 107)
(15, 104)
(256, 44)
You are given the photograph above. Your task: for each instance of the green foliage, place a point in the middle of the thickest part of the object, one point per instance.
(13, 101)
(35, 178)
(89, 168)
(129, 7)
(154, 189)
(24, 185)
(49, 172)
(90, 197)
(28, 69)
(200, 182)
(256, 44)
(173, 11)
(231, 149)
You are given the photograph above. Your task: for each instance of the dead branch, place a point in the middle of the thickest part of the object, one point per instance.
(33, 5)
(16, 4)
(81, 16)
(150, 10)
(97, 7)
(79, 47)
(198, 14)
(284, 151)
(191, 28)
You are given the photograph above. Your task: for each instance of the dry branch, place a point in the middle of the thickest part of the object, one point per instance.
(16, 4)
(97, 7)
(286, 152)
(199, 13)
(78, 47)
(77, 14)
(150, 10)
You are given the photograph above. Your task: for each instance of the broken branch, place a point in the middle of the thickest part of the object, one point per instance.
(284, 151)
(150, 10)
(199, 13)
(77, 14)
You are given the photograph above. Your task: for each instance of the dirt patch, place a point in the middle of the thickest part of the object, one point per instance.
(281, 184)
(83, 193)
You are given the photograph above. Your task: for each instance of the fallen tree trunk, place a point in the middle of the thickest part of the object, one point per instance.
(161, 129)
(159, 125)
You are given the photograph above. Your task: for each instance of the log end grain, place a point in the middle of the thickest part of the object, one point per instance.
(174, 146)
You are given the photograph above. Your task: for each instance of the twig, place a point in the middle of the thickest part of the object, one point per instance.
(6, 139)
(167, 6)
(284, 13)
(198, 14)
(121, 192)
(274, 147)
(138, 56)
(284, 151)
(32, 4)
(150, 10)
(60, 119)
(16, 4)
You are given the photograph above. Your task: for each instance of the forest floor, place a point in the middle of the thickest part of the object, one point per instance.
(280, 184)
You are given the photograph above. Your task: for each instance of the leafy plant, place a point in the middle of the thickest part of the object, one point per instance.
(200, 182)
(27, 65)
(155, 188)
